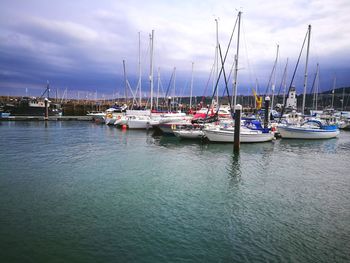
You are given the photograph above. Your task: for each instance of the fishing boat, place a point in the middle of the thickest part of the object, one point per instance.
(35, 106)
(310, 129)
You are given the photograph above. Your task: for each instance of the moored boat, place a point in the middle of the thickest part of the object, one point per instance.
(247, 135)
(97, 116)
(311, 129)
(189, 134)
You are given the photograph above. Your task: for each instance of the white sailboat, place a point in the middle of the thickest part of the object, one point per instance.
(311, 129)
(142, 120)
(219, 134)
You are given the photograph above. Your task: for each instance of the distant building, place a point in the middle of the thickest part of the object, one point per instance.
(292, 99)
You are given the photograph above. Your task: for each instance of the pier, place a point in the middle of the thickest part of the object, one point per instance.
(50, 118)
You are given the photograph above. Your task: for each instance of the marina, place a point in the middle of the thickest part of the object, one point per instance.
(84, 192)
(160, 132)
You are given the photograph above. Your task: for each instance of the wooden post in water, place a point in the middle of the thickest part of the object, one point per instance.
(237, 133)
(267, 113)
(46, 109)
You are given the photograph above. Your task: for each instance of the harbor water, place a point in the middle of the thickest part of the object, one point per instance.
(80, 192)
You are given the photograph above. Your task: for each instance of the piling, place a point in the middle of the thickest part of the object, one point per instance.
(237, 133)
(169, 103)
(46, 109)
(267, 113)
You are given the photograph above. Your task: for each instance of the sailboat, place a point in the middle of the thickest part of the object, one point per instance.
(223, 132)
(142, 120)
(310, 129)
(251, 131)
(246, 135)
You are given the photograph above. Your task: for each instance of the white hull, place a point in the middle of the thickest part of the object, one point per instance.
(139, 124)
(344, 125)
(216, 135)
(97, 117)
(166, 129)
(306, 133)
(169, 127)
(110, 120)
(189, 134)
(122, 120)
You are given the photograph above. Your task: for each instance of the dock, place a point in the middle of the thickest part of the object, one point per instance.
(50, 118)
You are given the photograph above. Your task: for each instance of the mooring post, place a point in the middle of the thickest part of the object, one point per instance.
(169, 103)
(267, 113)
(237, 133)
(46, 109)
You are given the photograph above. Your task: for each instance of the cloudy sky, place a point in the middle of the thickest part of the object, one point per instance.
(80, 45)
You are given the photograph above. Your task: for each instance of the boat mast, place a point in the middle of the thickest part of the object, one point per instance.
(151, 68)
(306, 64)
(318, 86)
(256, 90)
(274, 78)
(285, 82)
(314, 104)
(217, 60)
(234, 99)
(126, 84)
(48, 90)
(334, 81)
(140, 69)
(174, 83)
(158, 84)
(191, 86)
(342, 101)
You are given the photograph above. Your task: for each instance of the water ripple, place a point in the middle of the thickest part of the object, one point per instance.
(75, 191)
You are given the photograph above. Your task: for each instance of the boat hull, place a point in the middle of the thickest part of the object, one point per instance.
(245, 137)
(300, 133)
(110, 120)
(139, 124)
(189, 134)
(169, 127)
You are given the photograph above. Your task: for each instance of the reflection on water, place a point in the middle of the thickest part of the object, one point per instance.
(234, 169)
(292, 145)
